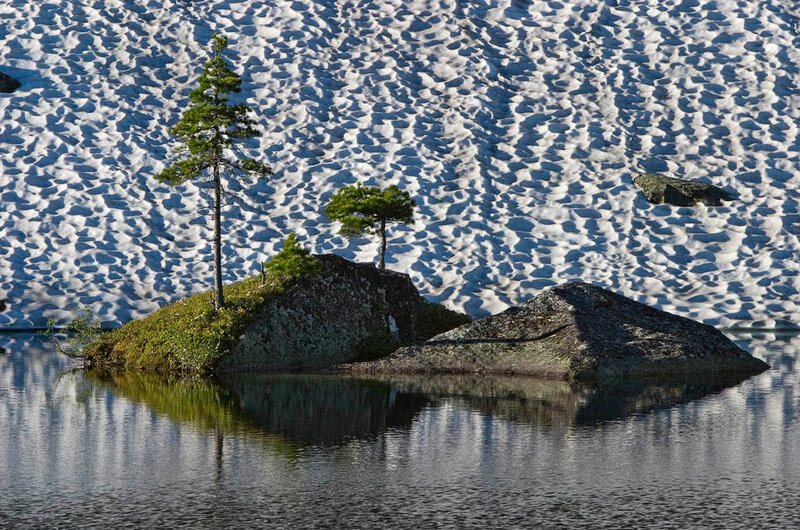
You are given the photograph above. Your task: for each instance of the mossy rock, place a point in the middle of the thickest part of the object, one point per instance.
(348, 311)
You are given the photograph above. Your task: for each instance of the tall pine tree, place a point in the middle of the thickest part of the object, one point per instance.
(208, 133)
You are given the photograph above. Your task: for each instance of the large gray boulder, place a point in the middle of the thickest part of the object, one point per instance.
(667, 190)
(7, 83)
(349, 311)
(578, 332)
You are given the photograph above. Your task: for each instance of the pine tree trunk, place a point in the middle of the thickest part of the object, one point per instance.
(382, 264)
(219, 298)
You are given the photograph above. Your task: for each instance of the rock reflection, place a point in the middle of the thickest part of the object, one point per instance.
(323, 409)
(558, 403)
(305, 410)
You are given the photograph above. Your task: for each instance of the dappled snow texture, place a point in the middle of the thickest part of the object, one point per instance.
(517, 125)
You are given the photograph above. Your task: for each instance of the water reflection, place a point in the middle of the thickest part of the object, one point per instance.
(303, 409)
(87, 449)
(307, 410)
(557, 403)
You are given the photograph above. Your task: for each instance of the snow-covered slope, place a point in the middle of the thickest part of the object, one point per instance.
(518, 125)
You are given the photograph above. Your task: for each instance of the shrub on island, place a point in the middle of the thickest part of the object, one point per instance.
(292, 263)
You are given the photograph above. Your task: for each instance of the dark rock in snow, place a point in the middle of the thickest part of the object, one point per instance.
(667, 190)
(7, 83)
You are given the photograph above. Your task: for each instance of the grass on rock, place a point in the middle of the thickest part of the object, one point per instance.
(188, 336)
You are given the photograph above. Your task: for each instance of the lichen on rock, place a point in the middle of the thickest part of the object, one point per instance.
(576, 331)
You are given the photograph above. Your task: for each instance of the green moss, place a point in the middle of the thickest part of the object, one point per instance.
(188, 336)
(438, 319)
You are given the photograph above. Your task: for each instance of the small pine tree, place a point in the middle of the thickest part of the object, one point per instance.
(366, 209)
(208, 132)
(293, 262)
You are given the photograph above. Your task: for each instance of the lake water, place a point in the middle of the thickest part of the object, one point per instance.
(79, 448)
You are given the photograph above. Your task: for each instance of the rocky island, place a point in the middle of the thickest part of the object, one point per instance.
(352, 317)
(349, 311)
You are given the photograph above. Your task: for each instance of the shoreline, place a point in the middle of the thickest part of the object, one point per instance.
(782, 330)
